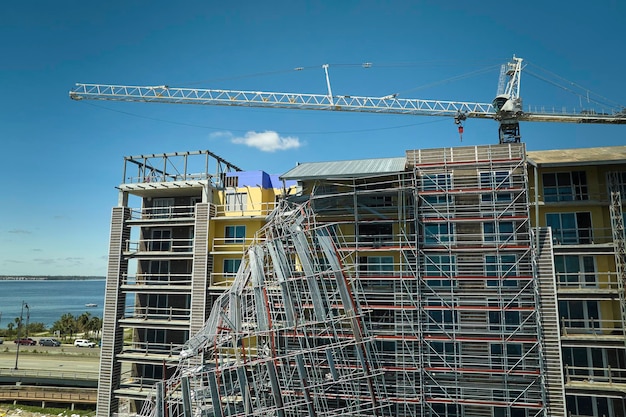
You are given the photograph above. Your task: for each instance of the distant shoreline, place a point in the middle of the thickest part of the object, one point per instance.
(48, 278)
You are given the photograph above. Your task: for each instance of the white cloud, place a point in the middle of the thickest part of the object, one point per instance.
(268, 141)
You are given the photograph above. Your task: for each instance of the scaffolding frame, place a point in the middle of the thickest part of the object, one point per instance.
(400, 294)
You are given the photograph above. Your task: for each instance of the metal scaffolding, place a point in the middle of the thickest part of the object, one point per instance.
(401, 294)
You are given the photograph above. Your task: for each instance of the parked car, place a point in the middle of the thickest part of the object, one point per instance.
(49, 341)
(25, 341)
(84, 343)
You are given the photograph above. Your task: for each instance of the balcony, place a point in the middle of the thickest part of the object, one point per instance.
(591, 329)
(168, 282)
(251, 209)
(139, 316)
(600, 379)
(162, 214)
(144, 350)
(163, 246)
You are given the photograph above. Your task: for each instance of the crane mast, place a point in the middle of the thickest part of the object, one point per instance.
(506, 108)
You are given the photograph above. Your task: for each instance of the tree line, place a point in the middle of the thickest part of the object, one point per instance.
(66, 326)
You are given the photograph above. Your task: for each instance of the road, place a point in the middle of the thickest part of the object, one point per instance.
(63, 358)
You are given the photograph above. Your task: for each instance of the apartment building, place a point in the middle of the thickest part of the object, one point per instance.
(178, 233)
(578, 193)
(470, 281)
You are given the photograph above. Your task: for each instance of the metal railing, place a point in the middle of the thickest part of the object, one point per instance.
(587, 281)
(160, 245)
(156, 313)
(157, 279)
(591, 327)
(162, 213)
(595, 375)
(152, 348)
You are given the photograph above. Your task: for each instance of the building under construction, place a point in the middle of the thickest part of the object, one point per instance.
(409, 286)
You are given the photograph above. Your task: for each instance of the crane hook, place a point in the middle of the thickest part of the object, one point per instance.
(458, 120)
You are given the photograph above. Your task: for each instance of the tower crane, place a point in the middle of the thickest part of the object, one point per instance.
(506, 108)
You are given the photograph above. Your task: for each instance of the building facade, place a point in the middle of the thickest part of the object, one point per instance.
(471, 281)
(178, 233)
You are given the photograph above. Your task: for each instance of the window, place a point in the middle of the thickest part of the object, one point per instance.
(440, 316)
(575, 271)
(503, 267)
(234, 234)
(588, 406)
(438, 233)
(159, 271)
(440, 266)
(493, 181)
(382, 265)
(236, 201)
(441, 353)
(579, 314)
(161, 208)
(565, 186)
(570, 228)
(434, 187)
(161, 240)
(375, 234)
(507, 320)
(446, 410)
(231, 266)
(499, 232)
(156, 339)
(512, 351)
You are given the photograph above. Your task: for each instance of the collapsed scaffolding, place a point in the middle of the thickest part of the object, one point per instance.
(400, 294)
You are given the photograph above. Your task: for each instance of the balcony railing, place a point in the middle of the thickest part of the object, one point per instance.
(591, 327)
(157, 279)
(152, 348)
(159, 245)
(582, 236)
(606, 281)
(157, 313)
(231, 244)
(162, 213)
(589, 374)
(248, 209)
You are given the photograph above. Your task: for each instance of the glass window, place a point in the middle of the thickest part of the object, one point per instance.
(161, 208)
(565, 186)
(575, 271)
(438, 233)
(161, 240)
(504, 267)
(440, 266)
(499, 232)
(493, 182)
(159, 271)
(579, 314)
(441, 353)
(375, 233)
(434, 187)
(570, 228)
(236, 201)
(234, 234)
(231, 266)
(507, 320)
(440, 316)
(383, 264)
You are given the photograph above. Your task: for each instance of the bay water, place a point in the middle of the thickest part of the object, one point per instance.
(48, 300)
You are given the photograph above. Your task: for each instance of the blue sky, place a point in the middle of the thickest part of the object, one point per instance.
(63, 159)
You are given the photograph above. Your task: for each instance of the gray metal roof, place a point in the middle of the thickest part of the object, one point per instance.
(345, 169)
(578, 156)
